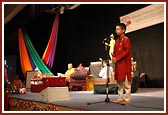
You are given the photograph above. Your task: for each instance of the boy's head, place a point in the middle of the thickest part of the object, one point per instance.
(120, 29)
(105, 63)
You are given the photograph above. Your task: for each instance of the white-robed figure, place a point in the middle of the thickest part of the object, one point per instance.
(111, 45)
(103, 72)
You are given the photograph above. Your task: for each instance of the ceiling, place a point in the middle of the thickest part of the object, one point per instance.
(11, 10)
(21, 15)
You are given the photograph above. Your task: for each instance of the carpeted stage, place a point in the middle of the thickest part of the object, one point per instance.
(146, 99)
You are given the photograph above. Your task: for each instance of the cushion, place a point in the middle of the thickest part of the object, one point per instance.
(79, 75)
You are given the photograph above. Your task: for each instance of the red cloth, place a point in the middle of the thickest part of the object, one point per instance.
(122, 52)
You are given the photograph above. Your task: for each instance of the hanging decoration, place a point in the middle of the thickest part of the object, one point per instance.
(49, 54)
(29, 57)
(24, 57)
(34, 55)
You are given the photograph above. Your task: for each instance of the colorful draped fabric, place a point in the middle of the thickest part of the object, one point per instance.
(34, 55)
(49, 54)
(24, 57)
(29, 57)
(32, 64)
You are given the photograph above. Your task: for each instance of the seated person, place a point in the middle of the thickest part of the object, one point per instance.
(69, 72)
(80, 67)
(16, 83)
(80, 73)
(103, 71)
(135, 70)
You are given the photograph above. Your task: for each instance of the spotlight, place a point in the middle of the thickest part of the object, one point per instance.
(62, 10)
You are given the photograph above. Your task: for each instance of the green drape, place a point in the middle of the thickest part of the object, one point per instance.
(34, 55)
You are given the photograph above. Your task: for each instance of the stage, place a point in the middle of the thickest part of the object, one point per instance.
(146, 99)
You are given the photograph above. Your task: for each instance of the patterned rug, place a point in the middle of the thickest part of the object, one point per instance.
(16, 104)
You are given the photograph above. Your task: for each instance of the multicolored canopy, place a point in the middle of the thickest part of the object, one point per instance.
(29, 57)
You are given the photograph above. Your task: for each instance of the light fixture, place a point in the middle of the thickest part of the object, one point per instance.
(62, 10)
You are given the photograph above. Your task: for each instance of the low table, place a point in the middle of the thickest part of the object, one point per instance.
(54, 81)
(47, 82)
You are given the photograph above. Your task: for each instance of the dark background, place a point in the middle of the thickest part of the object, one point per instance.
(80, 36)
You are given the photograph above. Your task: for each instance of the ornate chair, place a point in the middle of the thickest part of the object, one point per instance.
(78, 79)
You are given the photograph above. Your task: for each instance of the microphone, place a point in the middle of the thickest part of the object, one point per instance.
(106, 38)
(111, 36)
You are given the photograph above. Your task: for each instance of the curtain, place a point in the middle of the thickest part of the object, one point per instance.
(24, 57)
(49, 54)
(29, 57)
(34, 55)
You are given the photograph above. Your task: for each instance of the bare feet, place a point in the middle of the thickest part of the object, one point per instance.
(117, 101)
(126, 102)
(123, 102)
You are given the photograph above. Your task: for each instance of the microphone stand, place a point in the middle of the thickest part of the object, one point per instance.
(106, 48)
(107, 100)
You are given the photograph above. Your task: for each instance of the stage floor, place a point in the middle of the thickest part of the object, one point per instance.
(146, 99)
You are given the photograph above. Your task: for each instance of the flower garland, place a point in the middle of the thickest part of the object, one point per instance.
(30, 105)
